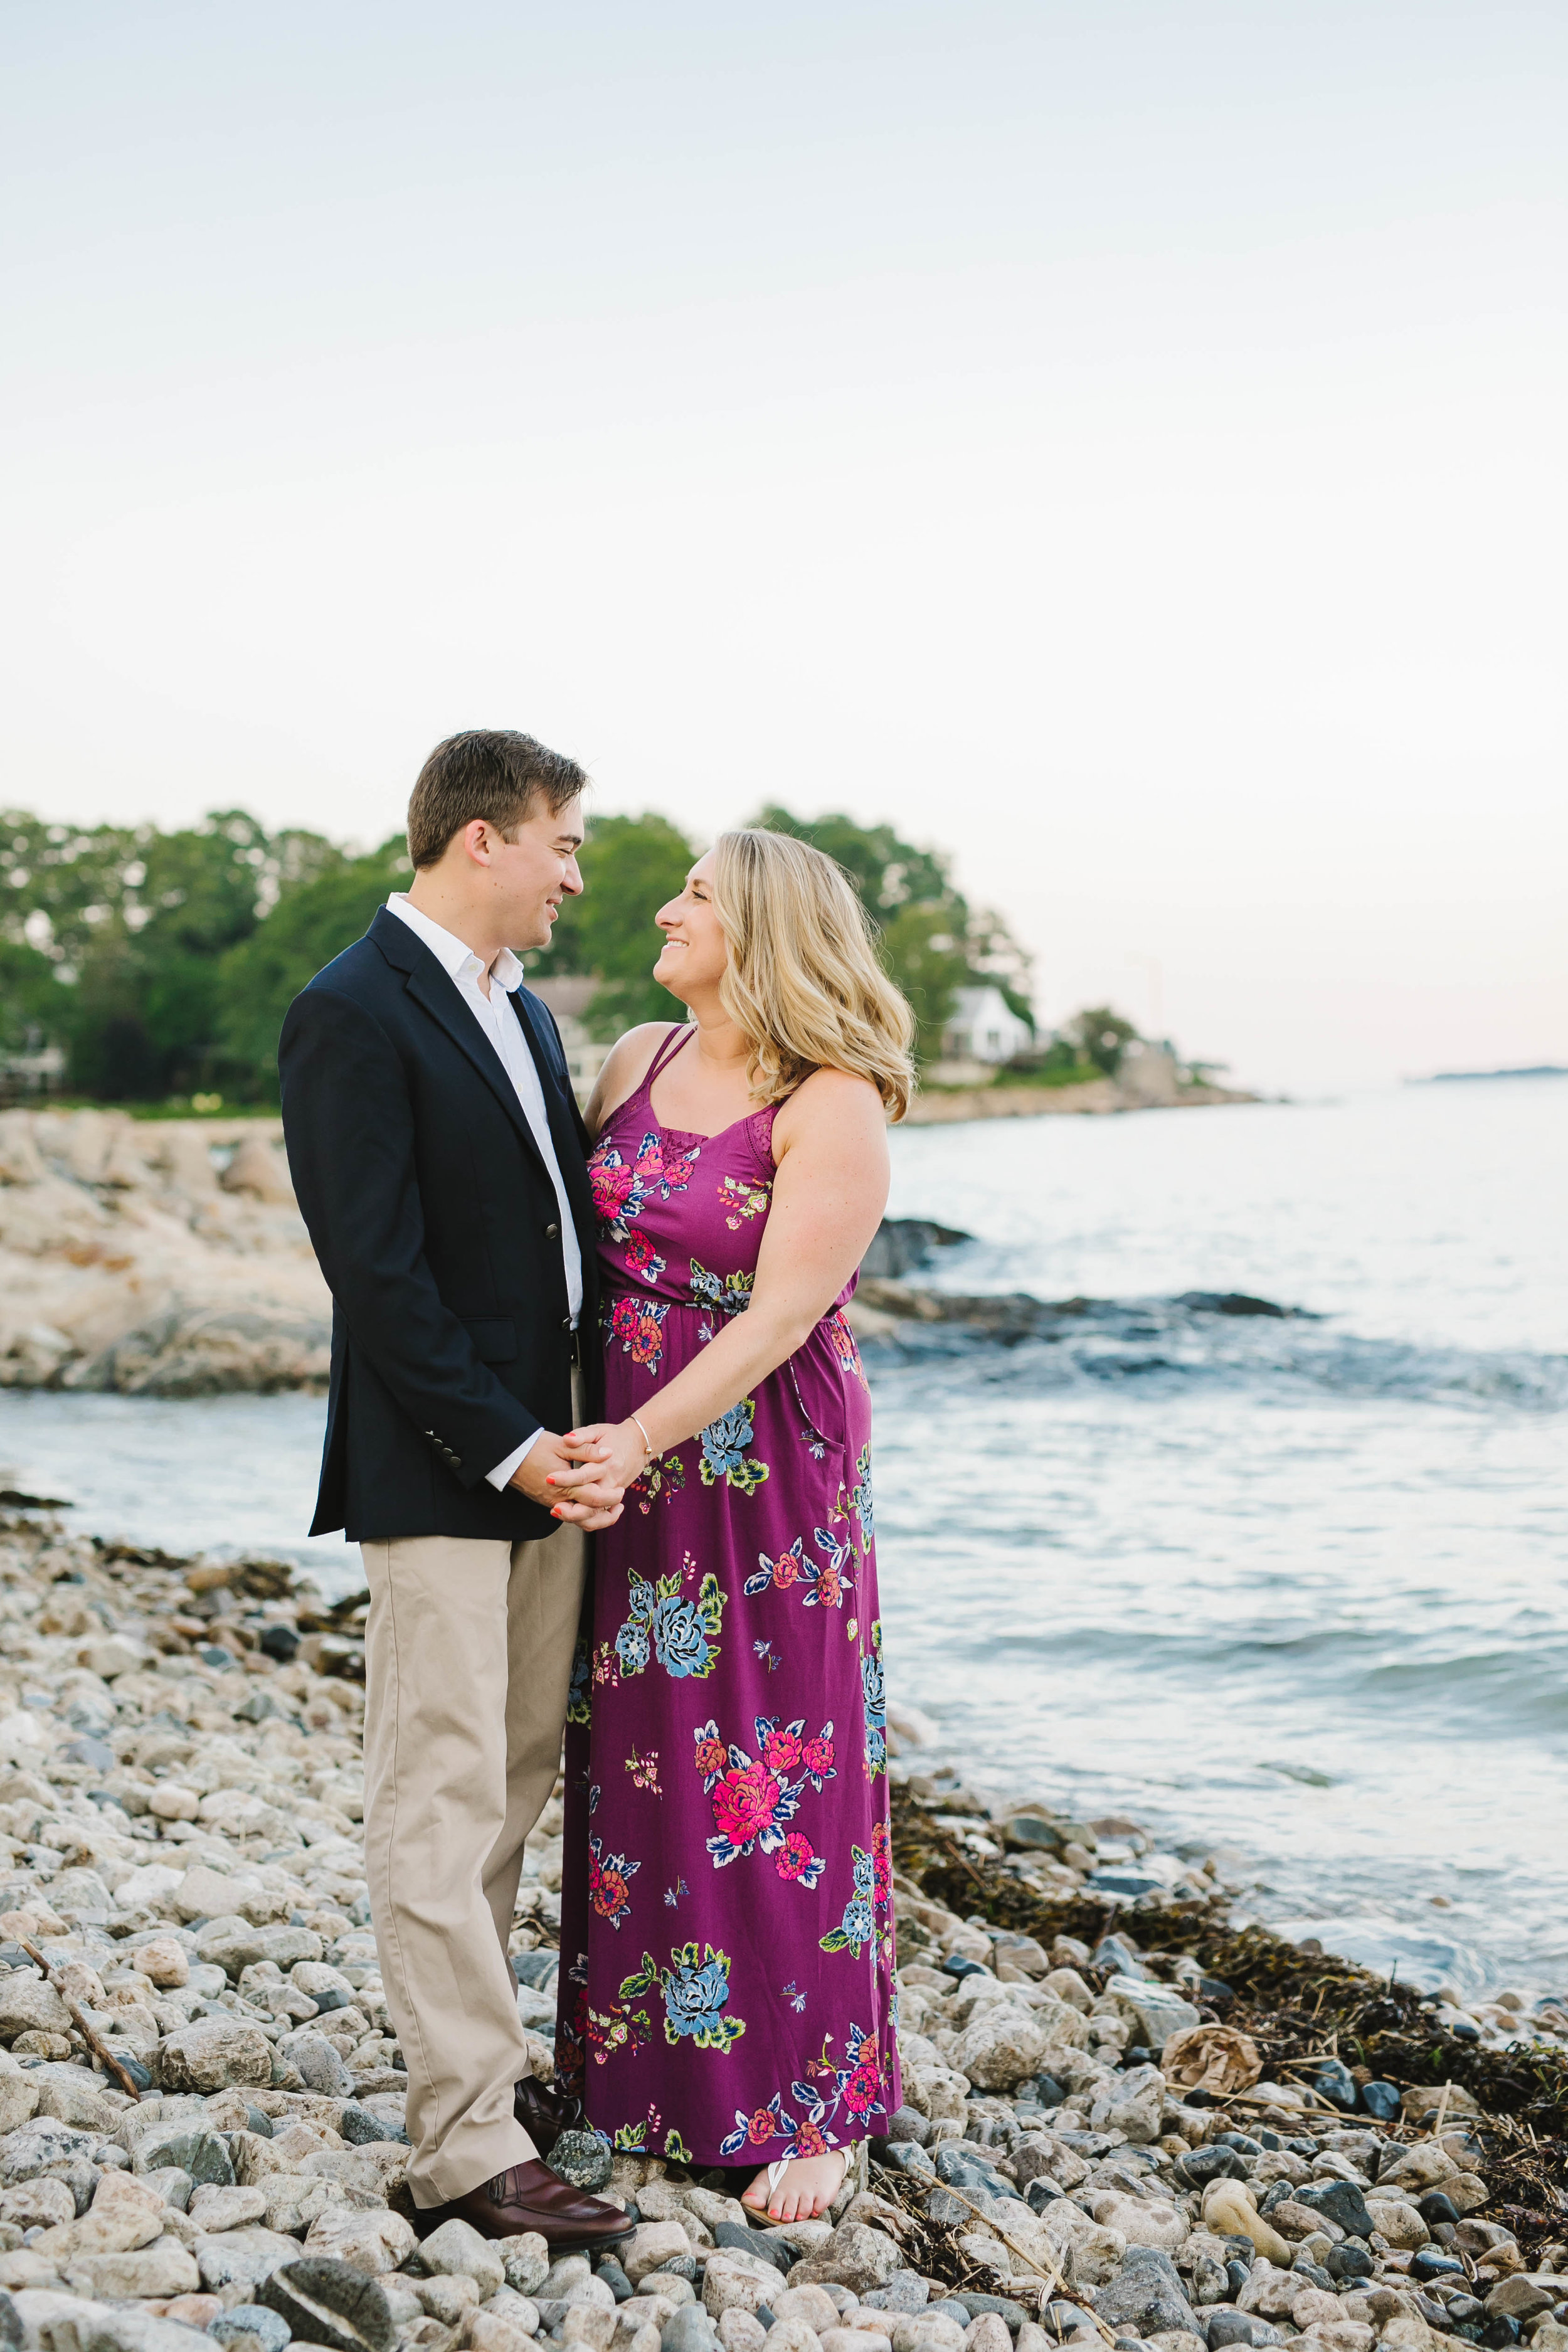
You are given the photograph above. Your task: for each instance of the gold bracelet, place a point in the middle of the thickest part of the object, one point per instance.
(647, 1443)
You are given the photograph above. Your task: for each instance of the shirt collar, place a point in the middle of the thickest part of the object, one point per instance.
(454, 955)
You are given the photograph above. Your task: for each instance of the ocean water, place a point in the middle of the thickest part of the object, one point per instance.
(1298, 1587)
(1295, 1587)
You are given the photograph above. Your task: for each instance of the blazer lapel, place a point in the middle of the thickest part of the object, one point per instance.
(567, 1131)
(438, 993)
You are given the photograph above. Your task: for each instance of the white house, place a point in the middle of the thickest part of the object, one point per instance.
(983, 1027)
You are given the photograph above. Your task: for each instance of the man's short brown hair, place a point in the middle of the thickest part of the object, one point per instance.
(488, 772)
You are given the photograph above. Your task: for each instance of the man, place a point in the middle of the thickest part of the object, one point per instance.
(439, 1161)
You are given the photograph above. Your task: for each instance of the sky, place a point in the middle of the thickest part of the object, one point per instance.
(1121, 443)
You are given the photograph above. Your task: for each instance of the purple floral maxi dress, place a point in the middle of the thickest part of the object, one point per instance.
(726, 1989)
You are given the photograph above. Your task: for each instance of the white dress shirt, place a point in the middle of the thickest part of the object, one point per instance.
(499, 1022)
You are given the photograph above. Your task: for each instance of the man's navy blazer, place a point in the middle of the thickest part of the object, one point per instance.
(437, 1228)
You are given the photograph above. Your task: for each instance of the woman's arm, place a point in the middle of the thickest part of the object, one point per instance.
(829, 1193)
(626, 1066)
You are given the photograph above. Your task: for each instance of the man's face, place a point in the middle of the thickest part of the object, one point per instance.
(535, 873)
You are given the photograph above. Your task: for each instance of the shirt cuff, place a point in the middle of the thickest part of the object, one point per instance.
(502, 1474)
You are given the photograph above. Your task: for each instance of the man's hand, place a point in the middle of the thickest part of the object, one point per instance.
(593, 1501)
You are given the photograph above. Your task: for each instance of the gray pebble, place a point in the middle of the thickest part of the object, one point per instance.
(689, 2329)
(251, 2321)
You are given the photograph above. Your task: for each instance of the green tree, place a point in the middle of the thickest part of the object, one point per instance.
(933, 943)
(133, 922)
(27, 993)
(631, 866)
(315, 918)
(1100, 1036)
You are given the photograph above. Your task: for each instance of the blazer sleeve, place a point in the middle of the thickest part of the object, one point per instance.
(348, 1127)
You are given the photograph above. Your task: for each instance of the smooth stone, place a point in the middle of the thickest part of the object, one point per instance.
(1226, 2327)
(689, 2330)
(329, 2303)
(742, 2241)
(1335, 2080)
(908, 2156)
(251, 2327)
(1381, 2101)
(360, 2129)
(906, 2291)
(1201, 2164)
(616, 2279)
(457, 2250)
(907, 2125)
(1340, 2201)
(1146, 2295)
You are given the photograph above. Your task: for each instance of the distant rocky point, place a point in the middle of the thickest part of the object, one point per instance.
(1471, 1077)
(1149, 1078)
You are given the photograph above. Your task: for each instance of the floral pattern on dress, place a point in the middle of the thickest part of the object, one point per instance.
(638, 1325)
(622, 1189)
(856, 2086)
(875, 1702)
(696, 1995)
(774, 1497)
(724, 1456)
(857, 1928)
(743, 1201)
(666, 1475)
(661, 1622)
(577, 1695)
(842, 1339)
(720, 1295)
(755, 1799)
(607, 1888)
(642, 1259)
(823, 1582)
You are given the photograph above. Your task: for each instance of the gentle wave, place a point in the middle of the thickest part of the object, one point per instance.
(1165, 1338)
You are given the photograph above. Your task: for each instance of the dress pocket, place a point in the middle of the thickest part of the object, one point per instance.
(817, 1390)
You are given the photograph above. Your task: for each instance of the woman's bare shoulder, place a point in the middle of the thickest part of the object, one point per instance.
(837, 1099)
(625, 1068)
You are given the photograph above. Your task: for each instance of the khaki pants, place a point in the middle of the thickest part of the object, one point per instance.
(467, 1660)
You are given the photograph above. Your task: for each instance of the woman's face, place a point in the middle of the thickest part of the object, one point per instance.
(693, 960)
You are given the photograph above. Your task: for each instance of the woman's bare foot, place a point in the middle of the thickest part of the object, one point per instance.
(809, 2185)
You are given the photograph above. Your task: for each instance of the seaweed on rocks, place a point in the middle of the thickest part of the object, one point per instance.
(1303, 2009)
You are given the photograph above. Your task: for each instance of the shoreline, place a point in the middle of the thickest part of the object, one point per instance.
(1126, 2118)
(168, 1258)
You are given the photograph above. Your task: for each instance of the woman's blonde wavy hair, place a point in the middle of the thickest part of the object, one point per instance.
(804, 985)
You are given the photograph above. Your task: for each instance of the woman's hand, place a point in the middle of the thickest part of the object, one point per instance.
(605, 1452)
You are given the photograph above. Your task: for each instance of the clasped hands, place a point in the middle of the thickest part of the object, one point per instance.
(583, 1476)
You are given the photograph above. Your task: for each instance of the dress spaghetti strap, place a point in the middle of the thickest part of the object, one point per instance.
(666, 1053)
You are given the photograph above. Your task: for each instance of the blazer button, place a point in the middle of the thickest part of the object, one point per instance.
(552, 1233)
(566, 1322)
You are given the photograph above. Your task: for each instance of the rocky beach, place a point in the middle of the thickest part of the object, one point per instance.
(1127, 2121)
(168, 1257)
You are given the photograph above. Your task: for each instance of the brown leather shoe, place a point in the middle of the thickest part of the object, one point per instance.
(542, 2112)
(531, 2197)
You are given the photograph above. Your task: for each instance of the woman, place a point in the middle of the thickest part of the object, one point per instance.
(726, 1935)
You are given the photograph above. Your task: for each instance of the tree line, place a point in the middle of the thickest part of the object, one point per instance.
(161, 964)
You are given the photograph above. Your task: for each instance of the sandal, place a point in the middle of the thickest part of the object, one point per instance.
(775, 2175)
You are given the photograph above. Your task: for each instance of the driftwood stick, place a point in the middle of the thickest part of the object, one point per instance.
(90, 2034)
(1024, 2253)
